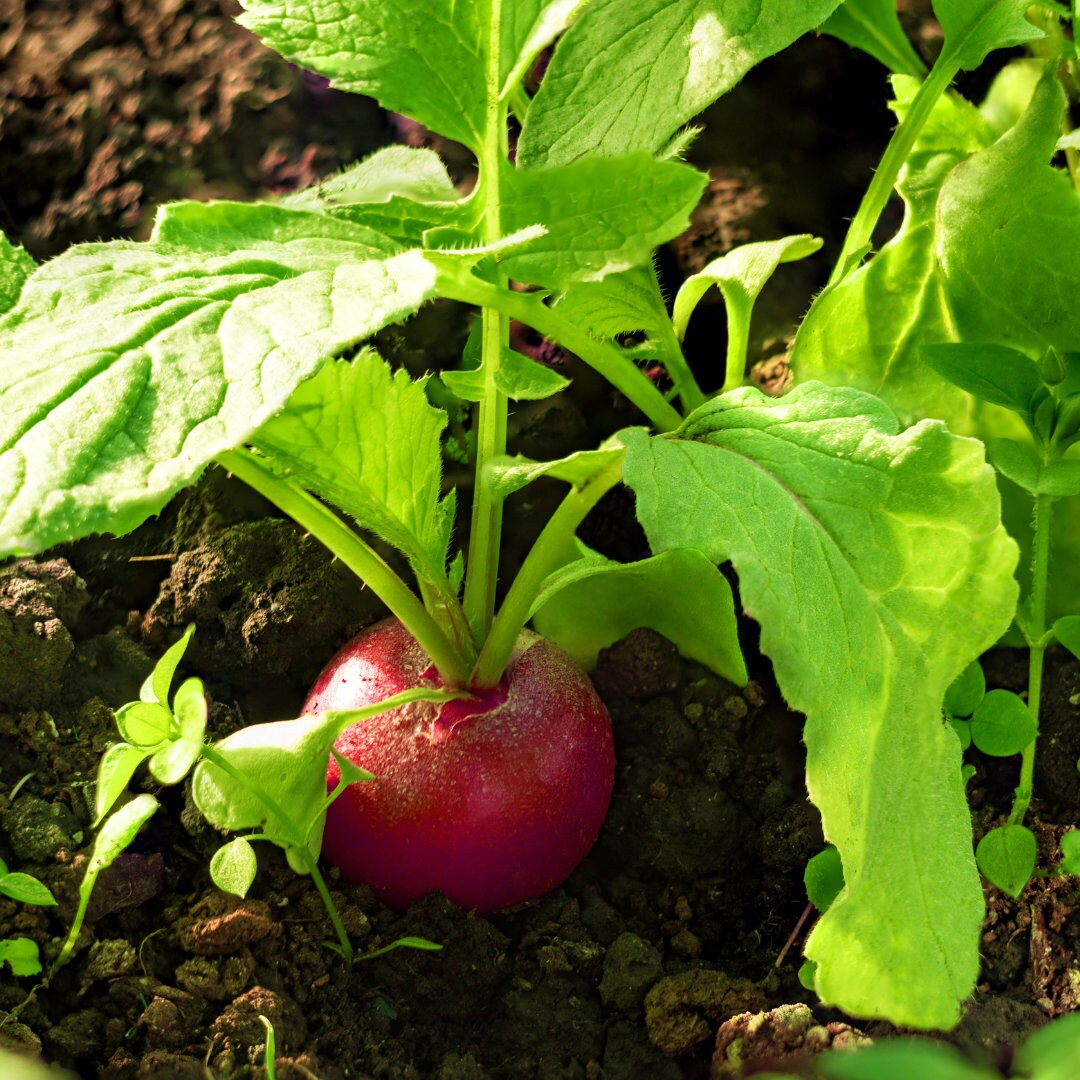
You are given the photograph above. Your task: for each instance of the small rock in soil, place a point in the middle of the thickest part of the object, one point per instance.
(225, 924)
(631, 966)
(19, 1039)
(682, 1011)
(641, 665)
(131, 880)
(775, 1040)
(78, 1036)
(109, 960)
(38, 602)
(38, 829)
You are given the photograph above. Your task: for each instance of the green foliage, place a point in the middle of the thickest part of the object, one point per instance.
(902, 568)
(23, 888)
(1006, 857)
(873, 26)
(824, 878)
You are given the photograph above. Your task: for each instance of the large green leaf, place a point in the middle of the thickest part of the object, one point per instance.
(875, 562)
(125, 368)
(987, 253)
(629, 73)
(974, 28)
(368, 441)
(424, 58)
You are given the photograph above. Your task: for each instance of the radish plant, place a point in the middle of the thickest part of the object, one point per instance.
(872, 554)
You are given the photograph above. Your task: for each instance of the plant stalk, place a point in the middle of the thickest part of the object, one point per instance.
(358, 556)
(543, 557)
(1038, 641)
(482, 565)
(877, 194)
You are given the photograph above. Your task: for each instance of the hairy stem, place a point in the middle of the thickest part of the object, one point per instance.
(1038, 642)
(482, 566)
(877, 195)
(541, 560)
(450, 660)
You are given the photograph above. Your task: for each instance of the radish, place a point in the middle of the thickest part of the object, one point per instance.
(493, 799)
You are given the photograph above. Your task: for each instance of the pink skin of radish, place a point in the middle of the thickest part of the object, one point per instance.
(491, 800)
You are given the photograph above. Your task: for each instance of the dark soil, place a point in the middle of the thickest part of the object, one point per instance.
(647, 960)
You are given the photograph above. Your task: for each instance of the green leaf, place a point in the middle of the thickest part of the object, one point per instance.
(1070, 850)
(679, 594)
(808, 974)
(1017, 461)
(873, 26)
(508, 475)
(351, 773)
(125, 368)
(903, 1059)
(549, 20)
(963, 733)
(233, 867)
(824, 878)
(172, 763)
(987, 252)
(625, 76)
(740, 275)
(1067, 631)
(876, 565)
(165, 669)
(15, 267)
(115, 770)
(993, 373)
(22, 956)
(1060, 479)
(144, 724)
(368, 441)
(974, 28)
(966, 690)
(624, 303)
(518, 377)
(117, 833)
(1006, 857)
(25, 889)
(1052, 1052)
(1002, 724)
(414, 175)
(601, 216)
(274, 776)
(424, 58)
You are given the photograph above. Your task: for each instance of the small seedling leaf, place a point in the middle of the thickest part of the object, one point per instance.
(401, 943)
(118, 832)
(117, 766)
(1060, 479)
(807, 973)
(165, 669)
(173, 762)
(145, 724)
(962, 729)
(233, 867)
(1006, 857)
(966, 691)
(1070, 850)
(25, 889)
(974, 28)
(740, 275)
(270, 1051)
(22, 955)
(1002, 724)
(993, 373)
(903, 1059)
(508, 475)
(824, 878)
(350, 772)
(1067, 632)
(1052, 1052)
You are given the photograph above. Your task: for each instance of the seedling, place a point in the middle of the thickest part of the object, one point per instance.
(21, 953)
(872, 556)
(266, 777)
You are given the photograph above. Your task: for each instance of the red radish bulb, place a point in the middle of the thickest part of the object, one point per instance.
(492, 800)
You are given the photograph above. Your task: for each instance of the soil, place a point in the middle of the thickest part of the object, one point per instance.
(651, 960)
